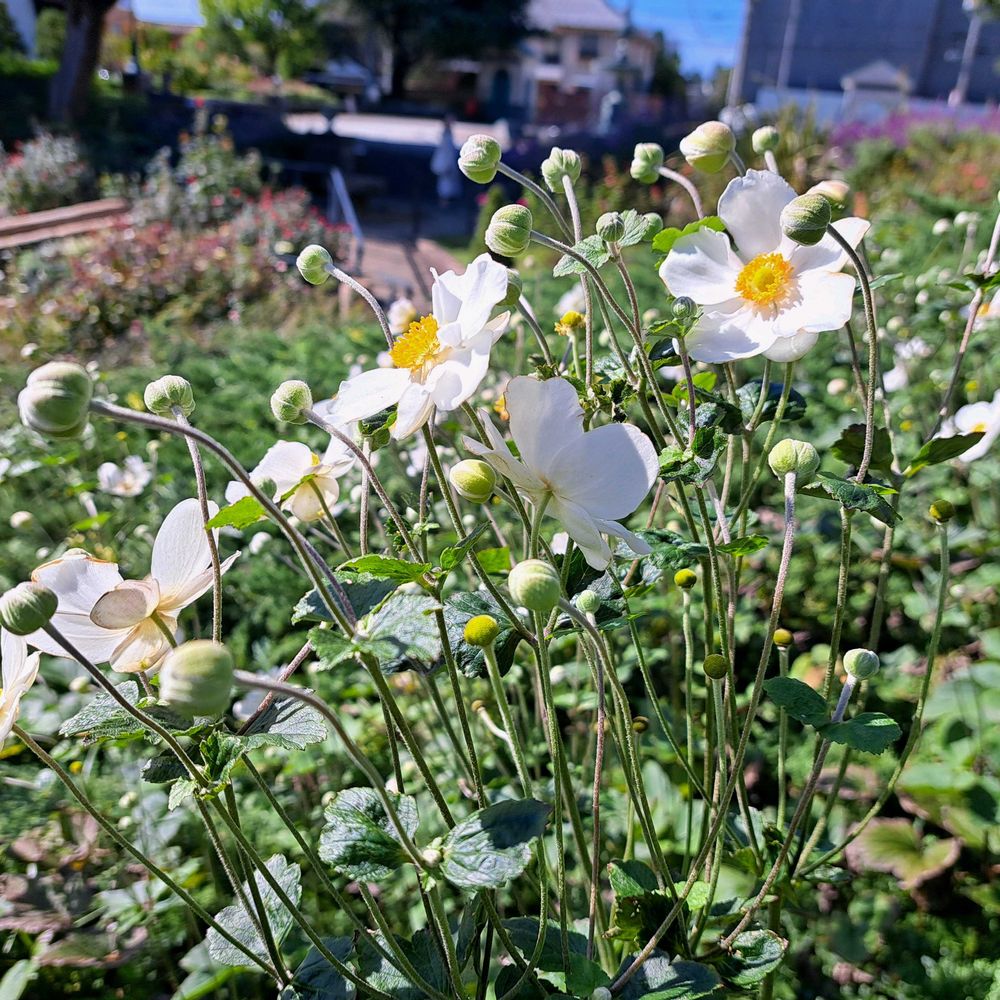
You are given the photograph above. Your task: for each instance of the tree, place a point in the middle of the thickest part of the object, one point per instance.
(10, 37)
(420, 30)
(81, 49)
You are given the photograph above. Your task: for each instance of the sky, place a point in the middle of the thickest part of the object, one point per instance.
(706, 32)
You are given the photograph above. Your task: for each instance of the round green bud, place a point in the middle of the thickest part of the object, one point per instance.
(600, 993)
(588, 602)
(942, 511)
(640, 724)
(558, 164)
(654, 224)
(478, 158)
(782, 637)
(55, 400)
(611, 227)
(790, 455)
(165, 393)
(197, 677)
(534, 585)
(861, 663)
(765, 140)
(473, 480)
(709, 147)
(290, 400)
(715, 666)
(685, 578)
(647, 159)
(515, 286)
(806, 219)
(837, 193)
(481, 630)
(509, 231)
(684, 309)
(27, 607)
(313, 263)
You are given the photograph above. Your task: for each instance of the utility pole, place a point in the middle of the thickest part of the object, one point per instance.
(734, 93)
(961, 89)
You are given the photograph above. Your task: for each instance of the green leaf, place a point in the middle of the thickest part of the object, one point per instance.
(403, 632)
(670, 552)
(239, 515)
(753, 955)
(665, 239)
(458, 609)
(799, 700)
(220, 753)
(695, 463)
(584, 975)
(286, 723)
(631, 878)
(592, 248)
(494, 561)
(942, 450)
(635, 228)
(385, 568)
(853, 496)
(494, 844)
(749, 395)
(334, 648)
(235, 920)
(100, 709)
(660, 979)
(869, 732)
(882, 279)
(850, 447)
(744, 546)
(103, 719)
(163, 768)
(359, 840)
(425, 956)
(455, 554)
(896, 846)
(363, 590)
(316, 978)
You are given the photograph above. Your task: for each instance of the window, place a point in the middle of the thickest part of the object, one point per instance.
(590, 46)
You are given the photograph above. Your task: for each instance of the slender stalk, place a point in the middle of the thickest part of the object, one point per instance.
(692, 191)
(543, 196)
(345, 278)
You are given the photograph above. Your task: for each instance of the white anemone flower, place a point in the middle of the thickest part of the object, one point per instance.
(983, 418)
(124, 622)
(127, 480)
(441, 359)
(306, 485)
(586, 480)
(19, 672)
(761, 293)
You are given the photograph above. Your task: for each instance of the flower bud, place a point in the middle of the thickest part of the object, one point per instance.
(837, 193)
(765, 140)
(27, 607)
(515, 286)
(654, 224)
(782, 637)
(611, 227)
(861, 663)
(197, 677)
(790, 455)
(715, 666)
(478, 158)
(313, 263)
(165, 393)
(646, 162)
(289, 401)
(473, 480)
(600, 993)
(806, 219)
(534, 585)
(481, 630)
(509, 231)
(942, 511)
(588, 602)
(558, 164)
(709, 147)
(478, 705)
(685, 578)
(55, 400)
(684, 309)
(640, 724)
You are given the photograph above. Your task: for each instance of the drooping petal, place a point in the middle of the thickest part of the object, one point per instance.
(308, 501)
(751, 208)
(414, 410)
(366, 394)
(631, 539)
(19, 673)
(786, 349)
(78, 580)
(499, 456)
(455, 380)
(728, 336)
(285, 462)
(542, 414)
(142, 647)
(827, 254)
(582, 528)
(127, 605)
(194, 588)
(180, 550)
(338, 457)
(703, 267)
(825, 302)
(477, 292)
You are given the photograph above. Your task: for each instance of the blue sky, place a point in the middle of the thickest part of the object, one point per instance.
(705, 31)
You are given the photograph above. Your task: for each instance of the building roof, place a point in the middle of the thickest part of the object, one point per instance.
(172, 13)
(877, 75)
(586, 15)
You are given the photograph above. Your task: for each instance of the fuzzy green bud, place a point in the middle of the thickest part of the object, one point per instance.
(715, 666)
(509, 231)
(558, 164)
(481, 630)
(806, 219)
(861, 663)
(313, 263)
(478, 158)
(27, 607)
(942, 511)
(55, 400)
(685, 578)
(709, 147)
(611, 227)
(588, 602)
(837, 193)
(790, 455)
(600, 993)
(684, 309)
(473, 480)
(515, 286)
(197, 678)
(765, 140)
(782, 637)
(640, 723)
(165, 393)
(290, 400)
(654, 224)
(647, 158)
(534, 585)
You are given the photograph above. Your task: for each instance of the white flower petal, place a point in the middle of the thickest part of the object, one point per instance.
(78, 580)
(582, 528)
(825, 302)
(751, 208)
(476, 292)
(544, 417)
(180, 550)
(285, 462)
(703, 267)
(414, 410)
(728, 336)
(827, 254)
(501, 459)
(454, 381)
(127, 605)
(19, 673)
(306, 503)
(143, 647)
(631, 539)
(194, 588)
(366, 394)
(786, 349)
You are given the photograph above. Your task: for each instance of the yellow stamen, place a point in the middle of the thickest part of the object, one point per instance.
(418, 345)
(980, 428)
(570, 322)
(765, 280)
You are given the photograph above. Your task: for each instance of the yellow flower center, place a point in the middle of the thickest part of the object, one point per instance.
(765, 280)
(418, 345)
(980, 428)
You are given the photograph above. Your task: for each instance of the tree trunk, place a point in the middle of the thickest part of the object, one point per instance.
(401, 66)
(71, 84)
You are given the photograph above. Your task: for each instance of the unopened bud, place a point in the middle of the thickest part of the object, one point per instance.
(782, 637)
(290, 401)
(715, 666)
(709, 147)
(481, 630)
(685, 578)
(861, 663)
(654, 224)
(942, 511)
(806, 219)
(837, 193)
(684, 309)
(197, 678)
(534, 585)
(640, 724)
(509, 231)
(55, 400)
(588, 602)
(515, 286)
(611, 227)
(478, 705)
(27, 607)
(478, 158)
(790, 455)
(765, 140)
(647, 159)
(313, 263)
(165, 393)
(558, 164)
(473, 480)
